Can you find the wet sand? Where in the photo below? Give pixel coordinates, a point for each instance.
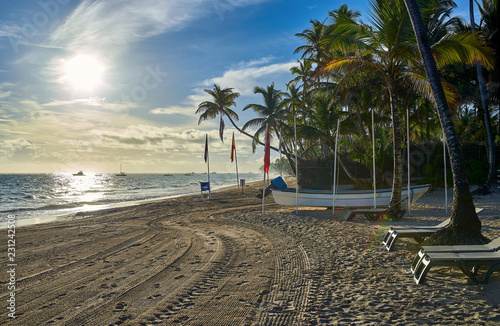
(188, 261)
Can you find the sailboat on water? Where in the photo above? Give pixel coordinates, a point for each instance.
(121, 174)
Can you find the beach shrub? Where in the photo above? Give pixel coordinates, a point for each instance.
(477, 171)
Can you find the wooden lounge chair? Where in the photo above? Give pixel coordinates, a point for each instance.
(468, 262)
(489, 247)
(416, 232)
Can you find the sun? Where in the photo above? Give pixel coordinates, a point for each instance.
(83, 72)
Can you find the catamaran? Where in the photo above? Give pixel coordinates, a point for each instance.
(343, 198)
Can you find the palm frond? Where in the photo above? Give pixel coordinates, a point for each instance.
(466, 47)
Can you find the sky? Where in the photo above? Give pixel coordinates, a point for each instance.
(89, 85)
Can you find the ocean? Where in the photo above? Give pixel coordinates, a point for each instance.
(28, 196)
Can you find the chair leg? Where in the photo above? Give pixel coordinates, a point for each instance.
(490, 272)
(417, 260)
(392, 240)
(387, 236)
(465, 269)
(422, 269)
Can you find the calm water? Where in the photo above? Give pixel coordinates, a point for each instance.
(34, 195)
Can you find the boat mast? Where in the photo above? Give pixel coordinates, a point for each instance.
(335, 167)
(445, 181)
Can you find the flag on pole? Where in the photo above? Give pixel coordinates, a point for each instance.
(267, 153)
(206, 148)
(235, 158)
(267, 162)
(208, 166)
(233, 149)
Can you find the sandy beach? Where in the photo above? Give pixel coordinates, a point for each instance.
(188, 261)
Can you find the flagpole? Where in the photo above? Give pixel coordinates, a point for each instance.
(335, 167)
(374, 172)
(279, 149)
(208, 168)
(408, 159)
(233, 148)
(296, 165)
(237, 176)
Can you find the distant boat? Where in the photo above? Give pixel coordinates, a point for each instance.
(168, 175)
(192, 173)
(121, 174)
(346, 198)
(79, 174)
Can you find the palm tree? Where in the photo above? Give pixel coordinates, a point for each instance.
(223, 100)
(464, 219)
(270, 114)
(388, 49)
(313, 37)
(485, 189)
(383, 50)
(291, 103)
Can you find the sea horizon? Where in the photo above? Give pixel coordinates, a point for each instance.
(37, 195)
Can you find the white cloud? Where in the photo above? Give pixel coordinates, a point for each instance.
(173, 110)
(245, 79)
(242, 79)
(92, 102)
(5, 94)
(16, 148)
(113, 24)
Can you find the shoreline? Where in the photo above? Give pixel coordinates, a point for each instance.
(81, 211)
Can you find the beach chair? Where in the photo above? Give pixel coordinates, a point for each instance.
(416, 232)
(489, 247)
(205, 186)
(468, 262)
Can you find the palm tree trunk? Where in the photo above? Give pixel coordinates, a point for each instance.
(247, 134)
(486, 114)
(397, 178)
(463, 214)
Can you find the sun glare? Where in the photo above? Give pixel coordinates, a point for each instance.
(83, 72)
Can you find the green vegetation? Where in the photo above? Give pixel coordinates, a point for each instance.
(421, 73)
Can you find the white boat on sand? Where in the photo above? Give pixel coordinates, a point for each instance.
(344, 198)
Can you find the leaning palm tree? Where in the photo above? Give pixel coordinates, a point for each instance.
(223, 100)
(465, 226)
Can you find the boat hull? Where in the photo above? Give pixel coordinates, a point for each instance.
(324, 198)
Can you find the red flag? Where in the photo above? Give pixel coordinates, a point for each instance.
(267, 153)
(233, 148)
(206, 148)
